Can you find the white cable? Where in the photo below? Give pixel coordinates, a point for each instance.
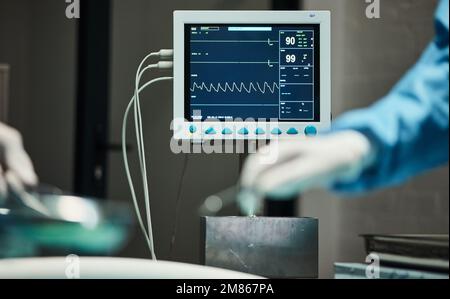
(138, 114)
(166, 53)
(137, 120)
(149, 236)
(140, 137)
(140, 147)
(140, 134)
(130, 181)
(163, 54)
(141, 153)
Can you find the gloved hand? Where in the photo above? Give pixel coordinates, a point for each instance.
(300, 165)
(15, 164)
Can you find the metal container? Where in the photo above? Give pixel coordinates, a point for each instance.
(265, 246)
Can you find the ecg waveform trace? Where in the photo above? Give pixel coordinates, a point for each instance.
(251, 72)
(237, 87)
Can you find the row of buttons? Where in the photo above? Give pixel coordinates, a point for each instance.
(309, 131)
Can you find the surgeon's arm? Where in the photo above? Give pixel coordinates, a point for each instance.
(409, 128)
(402, 135)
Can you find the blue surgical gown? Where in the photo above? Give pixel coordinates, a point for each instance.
(409, 127)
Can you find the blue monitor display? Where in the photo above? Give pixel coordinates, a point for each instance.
(252, 71)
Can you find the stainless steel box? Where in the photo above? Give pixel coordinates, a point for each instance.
(265, 246)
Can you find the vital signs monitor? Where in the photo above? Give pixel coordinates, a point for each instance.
(251, 74)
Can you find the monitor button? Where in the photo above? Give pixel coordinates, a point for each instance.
(210, 131)
(243, 131)
(192, 129)
(292, 131)
(310, 131)
(227, 131)
(260, 131)
(276, 131)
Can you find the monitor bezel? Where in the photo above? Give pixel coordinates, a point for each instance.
(181, 126)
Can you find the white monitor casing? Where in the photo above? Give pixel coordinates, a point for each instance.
(183, 128)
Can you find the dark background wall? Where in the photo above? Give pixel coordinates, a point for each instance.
(368, 57)
(39, 43)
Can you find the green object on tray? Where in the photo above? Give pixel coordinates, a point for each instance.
(64, 224)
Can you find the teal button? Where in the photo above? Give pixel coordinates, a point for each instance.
(310, 131)
(276, 131)
(243, 131)
(292, 131)
(227, 131)
(192, 129)
(210, 131)
(260, 131)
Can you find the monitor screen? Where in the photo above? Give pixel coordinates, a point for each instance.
(244, 71)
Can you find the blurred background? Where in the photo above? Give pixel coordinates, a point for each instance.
(70, 81)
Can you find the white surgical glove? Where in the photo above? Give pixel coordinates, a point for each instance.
(15, 164)
(299, 165)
